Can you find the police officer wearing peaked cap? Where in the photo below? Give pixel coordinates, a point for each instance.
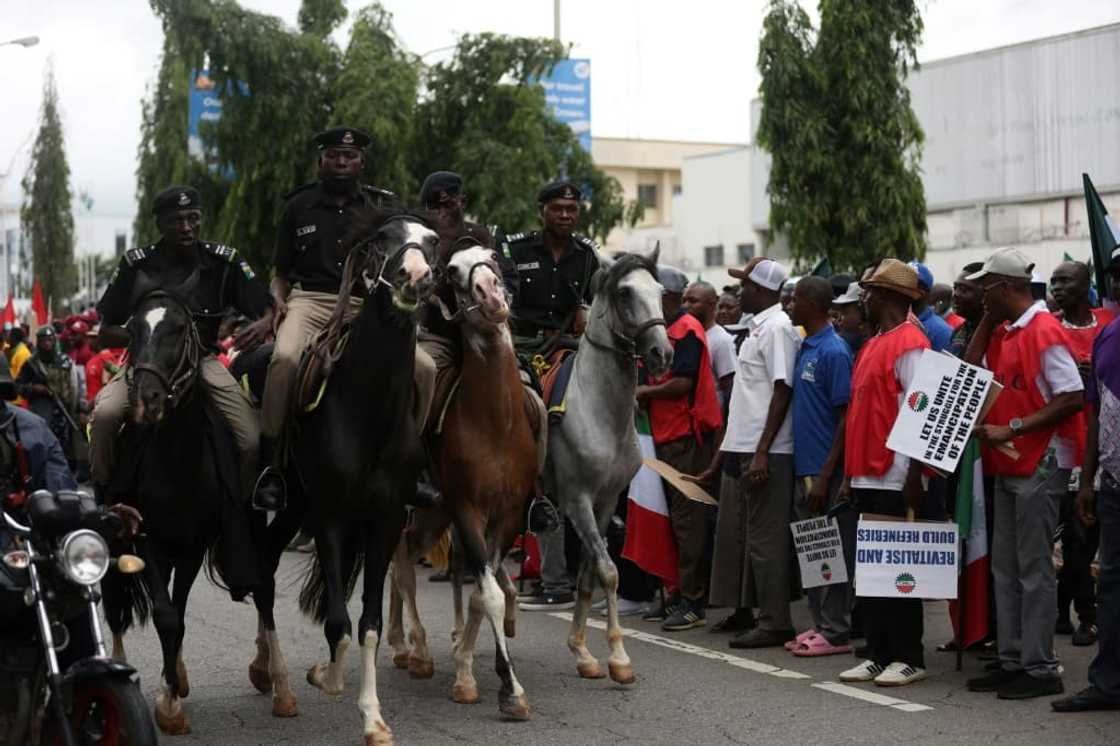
(554, 268)
(224, 280)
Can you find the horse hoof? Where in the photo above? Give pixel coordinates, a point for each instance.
(509, 627)
(465, 694)
(172, 723)
(381, 736)
(400, 660)
(621, 673)
(284, 707)
(184, 682)
(591, 670)
(420, 669)
(317, 677)
(260, 679)
(514, 708)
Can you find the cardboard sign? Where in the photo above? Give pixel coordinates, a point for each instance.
(819, 552)
(691, 490)
(944, 402)
(898, 559)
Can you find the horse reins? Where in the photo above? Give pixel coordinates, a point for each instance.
(627, 346)
(185, 372)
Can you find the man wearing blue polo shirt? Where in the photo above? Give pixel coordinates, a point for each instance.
(937, 329)
(822, 384)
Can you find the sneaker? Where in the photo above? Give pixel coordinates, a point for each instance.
(1028, 687)
(687, 615)
(626, 607)
(866, 671)
(900, 674)
(992, 681)
(659, 612)
(1085, 635)
(1086, 700)
(548, 602)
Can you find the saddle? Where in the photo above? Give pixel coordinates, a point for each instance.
(555, 373)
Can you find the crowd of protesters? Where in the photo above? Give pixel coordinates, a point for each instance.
(780, 401)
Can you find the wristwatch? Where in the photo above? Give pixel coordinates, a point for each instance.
(1016, 425)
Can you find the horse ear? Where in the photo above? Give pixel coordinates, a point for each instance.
(656, 253)
(599, 276)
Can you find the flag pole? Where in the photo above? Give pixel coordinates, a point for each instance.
(962, 588)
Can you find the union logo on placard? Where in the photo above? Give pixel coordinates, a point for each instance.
(826, 571)
(918, 401)
(905, 583)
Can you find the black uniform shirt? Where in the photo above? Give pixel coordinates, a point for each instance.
(225, 280)
(309, 247)
(548, 291)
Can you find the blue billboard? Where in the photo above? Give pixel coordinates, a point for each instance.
(205, 106)
(567, 92)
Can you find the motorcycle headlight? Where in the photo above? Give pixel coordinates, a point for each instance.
(84, 557)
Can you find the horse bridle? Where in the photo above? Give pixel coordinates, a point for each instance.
(387, 257)
(185, 372)
(623, 344)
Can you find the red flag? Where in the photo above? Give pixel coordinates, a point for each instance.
(9, 316)
(37, 304)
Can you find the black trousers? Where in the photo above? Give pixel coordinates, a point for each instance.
(893, 627)
(1079, 546)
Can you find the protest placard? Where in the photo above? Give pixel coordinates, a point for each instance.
(897, 559)
(691, 490)
(945, 400)
(819, 552)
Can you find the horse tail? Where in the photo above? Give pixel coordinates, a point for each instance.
(440, 554)
(127, 599)
(215, 569)
(313, 594)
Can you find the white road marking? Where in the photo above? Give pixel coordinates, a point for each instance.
(757, 666)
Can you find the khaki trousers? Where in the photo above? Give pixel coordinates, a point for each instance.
(227, 396)
(307, 314)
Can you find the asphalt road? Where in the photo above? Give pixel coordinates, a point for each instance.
(691, 688)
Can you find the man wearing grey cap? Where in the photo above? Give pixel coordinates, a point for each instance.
(1037, 412)
(759, 433)
(684, 414)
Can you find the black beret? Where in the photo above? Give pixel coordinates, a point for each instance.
(45, 331)
(176, 198)
(559, 190)
(343, 137)
(440, 187)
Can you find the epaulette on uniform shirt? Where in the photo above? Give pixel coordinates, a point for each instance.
(586, 242)
(230, 255)
(137, 255)
(379, 192)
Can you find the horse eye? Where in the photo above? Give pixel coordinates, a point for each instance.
(624, 292)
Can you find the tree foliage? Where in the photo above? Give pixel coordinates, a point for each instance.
(846, 146)
(45, 213)
(477, 114)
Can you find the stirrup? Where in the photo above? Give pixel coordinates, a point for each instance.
(543, 517)
(270, 492)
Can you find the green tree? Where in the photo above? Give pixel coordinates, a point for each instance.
(45, 213)
(836, 118)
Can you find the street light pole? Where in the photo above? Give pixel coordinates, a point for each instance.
(556, 20)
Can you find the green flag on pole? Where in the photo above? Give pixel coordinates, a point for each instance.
(1103, 233)
(823, 269)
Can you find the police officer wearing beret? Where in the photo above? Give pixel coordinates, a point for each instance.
(307, 266)
(224, 280)
(554, 268)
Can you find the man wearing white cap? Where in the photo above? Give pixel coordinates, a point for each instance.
(1037, 412)
(759, 433)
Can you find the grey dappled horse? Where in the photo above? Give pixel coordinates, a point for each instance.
(593, 451)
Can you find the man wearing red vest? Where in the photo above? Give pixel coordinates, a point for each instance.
(684, 414)
(1042, 390)
(878, 479)
(1069, 284)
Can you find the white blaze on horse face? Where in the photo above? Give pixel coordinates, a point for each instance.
(474, 266)
(414, 261)
(153, 317)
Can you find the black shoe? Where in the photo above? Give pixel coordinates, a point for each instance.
(993, 681)
(739, 621)
(688, 615)
(762, 638)
(1028, 687)
(1063, 626)
(1086, 700)
(543, 517)
(548, 602)
(270, 492)
(1085, 635)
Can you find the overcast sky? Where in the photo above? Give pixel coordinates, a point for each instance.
(660, 69)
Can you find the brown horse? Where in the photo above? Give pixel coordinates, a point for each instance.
(487, 463)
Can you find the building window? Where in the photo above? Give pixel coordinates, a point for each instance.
(647, 195)
(713, 256)
(121, 240)
(746, 252)
(676, 189)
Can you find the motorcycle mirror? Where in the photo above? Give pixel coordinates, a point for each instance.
(129, 564)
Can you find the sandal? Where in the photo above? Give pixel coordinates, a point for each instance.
(818, 645)
(796, 642)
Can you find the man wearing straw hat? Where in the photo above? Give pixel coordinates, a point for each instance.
(878, 479)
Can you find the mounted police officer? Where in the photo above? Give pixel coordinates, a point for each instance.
(308, 267)
(209, 278)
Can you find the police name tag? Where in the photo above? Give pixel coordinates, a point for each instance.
(305, 230)
(530, 265)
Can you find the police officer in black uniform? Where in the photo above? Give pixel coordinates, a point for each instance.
(224, 280)
(308, 267)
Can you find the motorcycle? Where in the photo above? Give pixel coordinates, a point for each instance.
(57, 683)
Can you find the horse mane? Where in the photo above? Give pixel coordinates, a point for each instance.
(366, 226)
(606, 279)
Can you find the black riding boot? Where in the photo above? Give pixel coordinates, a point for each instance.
(270, 492)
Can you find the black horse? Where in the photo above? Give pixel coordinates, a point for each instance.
(177, 469)
(357, 455)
